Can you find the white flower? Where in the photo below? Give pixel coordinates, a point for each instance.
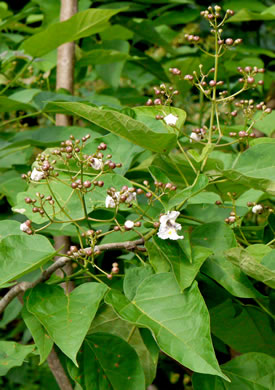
(168, 226)
(111, 202)
(195, 137)
(24, 227)
(257, 209)
(37, 175)
(129, 224)
(131, 196)
(170, 119)
(97, 164)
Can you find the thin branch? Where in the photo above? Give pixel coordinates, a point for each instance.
(61, 262)
(58, 371)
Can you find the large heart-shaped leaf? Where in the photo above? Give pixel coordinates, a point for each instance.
(126, 127)
(107, 361)
(83, 24)
(178, 320)
(246, 372)
(20, 254)
(66, 318)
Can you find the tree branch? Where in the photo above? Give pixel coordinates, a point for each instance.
(58, 371)
(61, 262)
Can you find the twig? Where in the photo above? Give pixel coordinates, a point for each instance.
(61, 262)
(58, 371)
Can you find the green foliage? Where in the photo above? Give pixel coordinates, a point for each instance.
(164, 184)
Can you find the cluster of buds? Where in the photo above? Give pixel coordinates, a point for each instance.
(197, 134)
(175, 71)
(44, 169)
(26, 227)
(42, 200)
(192, 38)
(160, 188)
(125, 195)
(85, 185)
(231, 219)
(213, 13)
(164, 95)
(229, 42)
(248, 75)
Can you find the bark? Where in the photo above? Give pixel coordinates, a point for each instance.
(65, 60)
(64, 79)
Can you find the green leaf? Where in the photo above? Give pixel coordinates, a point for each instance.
(107, 321)
(124, 126)
(219, 237)
(172, 253)
(111, 72)
(250, 266)
(10, 228)
(41, 338)
(183, 196)
(133, 277)
(21, 254)
(11, 184)
(102, 56)
(124, 154)
(10, 105)
(144, 113)
(266, 124)
(175, 17)
(10, 313)
(244, 328)
(145, 29)
(245, 15)
(12, 355)
(83, 24)
(246, 372)
(108, 361)
(170, 314)
(255, 168)
(66, 318)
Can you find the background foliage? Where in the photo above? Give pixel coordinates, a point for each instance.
(223, 273)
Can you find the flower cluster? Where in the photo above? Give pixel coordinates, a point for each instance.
(125, 195)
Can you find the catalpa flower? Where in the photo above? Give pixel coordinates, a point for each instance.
(37, 175)
(168, 226)
(112, 201)
(170, 119)
(257, 209)
(97, 164)
(195, 137)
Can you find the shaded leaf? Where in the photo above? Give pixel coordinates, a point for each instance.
(107, 361)
(12, 355)
(244, 328)
(249, 371)
(219, 237)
